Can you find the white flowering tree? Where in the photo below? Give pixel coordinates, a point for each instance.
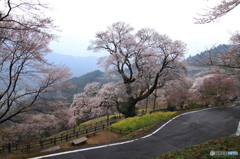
(145, 60)
(177, 91)
(25, 35)
(217, 89)
(89, 104)
(214, 13)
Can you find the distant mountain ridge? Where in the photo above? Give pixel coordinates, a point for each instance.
(192, 60)
(78, 65)
(215, 50)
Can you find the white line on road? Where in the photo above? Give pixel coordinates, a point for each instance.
(119, 143)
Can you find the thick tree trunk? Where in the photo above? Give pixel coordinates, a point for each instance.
(128, 108)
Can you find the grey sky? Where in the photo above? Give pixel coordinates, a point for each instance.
(79, 20)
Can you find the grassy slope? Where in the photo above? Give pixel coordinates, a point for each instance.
(203, 150)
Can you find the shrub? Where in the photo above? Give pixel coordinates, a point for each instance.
(193, 105)
(171, 107)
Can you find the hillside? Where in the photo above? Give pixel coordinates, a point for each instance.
(80, 82)
(219, 48)
(191, 60)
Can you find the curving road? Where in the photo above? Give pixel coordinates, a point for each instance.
(183, 130)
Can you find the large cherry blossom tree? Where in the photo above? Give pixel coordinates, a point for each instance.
(144, 60)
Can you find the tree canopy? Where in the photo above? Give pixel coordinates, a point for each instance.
(25, 33)
(214, 13)
(145, 60)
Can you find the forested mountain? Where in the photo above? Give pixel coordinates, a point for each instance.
(215, 50)
(193, 69)
(80, 82)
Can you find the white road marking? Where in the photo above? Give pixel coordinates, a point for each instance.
(119, 143)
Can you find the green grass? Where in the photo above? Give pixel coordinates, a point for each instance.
(137, 122)
(203, 150)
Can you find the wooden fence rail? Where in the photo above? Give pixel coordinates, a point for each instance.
(52, 141)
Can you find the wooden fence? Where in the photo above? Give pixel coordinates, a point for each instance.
(40, 144)
(35, 145)
(74, 133)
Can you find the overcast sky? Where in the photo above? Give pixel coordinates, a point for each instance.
(79, 20)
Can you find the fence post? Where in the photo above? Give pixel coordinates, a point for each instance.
(74, 129)
(77, 134)
(95, 128)
(86, 131)
(103, 126)
(41, 143)
(28, 147)
(16, 146)
(55, 141)
(9, 147)
(66, 137)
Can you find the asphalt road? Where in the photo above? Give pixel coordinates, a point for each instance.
(177, 133)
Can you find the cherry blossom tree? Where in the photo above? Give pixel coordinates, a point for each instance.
(87, 105)
(198, 80)
(177, 91)
(26, 15)
(25, 75)
(214, 13)
(145, 61)
(96, 101)
(37, 125)
(217, 89)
